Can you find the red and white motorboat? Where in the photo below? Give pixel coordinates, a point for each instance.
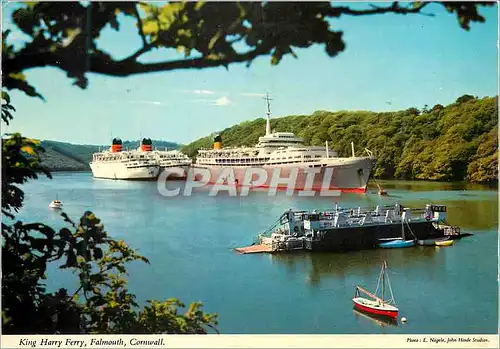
(376, 305)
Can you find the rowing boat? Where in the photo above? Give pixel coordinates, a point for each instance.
(444, 243)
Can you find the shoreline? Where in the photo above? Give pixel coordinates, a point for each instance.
(491, 185)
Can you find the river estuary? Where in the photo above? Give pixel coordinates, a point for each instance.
(189, 241)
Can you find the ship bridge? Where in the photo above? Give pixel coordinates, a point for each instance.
(279, 139)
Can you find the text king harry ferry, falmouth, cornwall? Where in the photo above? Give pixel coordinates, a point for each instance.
(317, 168)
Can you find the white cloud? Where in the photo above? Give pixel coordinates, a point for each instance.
(222, 102)
(147, 102)
(247, 94)
(134, 102)
(208, 101)
(200, 92)
(204, 92)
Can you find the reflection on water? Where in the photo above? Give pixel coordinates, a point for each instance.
(189, 242)
(365, 264)
(473, 215)
(429, 186)
(377, 320)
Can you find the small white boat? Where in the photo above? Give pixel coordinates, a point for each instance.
(57, 204)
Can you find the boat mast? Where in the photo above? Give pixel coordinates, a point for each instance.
(268, 114)
(392, 300)
(383, 280)
(402, 228)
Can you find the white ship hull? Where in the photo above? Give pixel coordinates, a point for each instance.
(121, 171)
(347, 175)
(174, 176)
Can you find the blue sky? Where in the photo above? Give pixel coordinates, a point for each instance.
(407, 61)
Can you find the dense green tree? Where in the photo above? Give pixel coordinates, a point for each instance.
(437, 107)
(413, 111)
(101, 303)
(484, 164)
(447, 143)
(464, 98)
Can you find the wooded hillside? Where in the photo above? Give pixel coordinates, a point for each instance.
(456, 142)
(63, 156)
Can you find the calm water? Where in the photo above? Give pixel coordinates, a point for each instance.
(189, 242)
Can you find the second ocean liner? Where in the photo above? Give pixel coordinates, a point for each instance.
(317, 168)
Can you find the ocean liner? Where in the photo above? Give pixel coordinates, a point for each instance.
(283, 150)
(173, 159)
(139, 164)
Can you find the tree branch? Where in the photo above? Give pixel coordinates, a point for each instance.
(125, 68)
(394, 8)
(138, 53)
(139, 25)
(102, 64)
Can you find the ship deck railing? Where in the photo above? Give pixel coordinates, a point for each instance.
(448, 229)
(278, 246)
(359, 210)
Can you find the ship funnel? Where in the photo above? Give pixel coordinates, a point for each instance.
(217, 142)
(116, 145)
(146, 144)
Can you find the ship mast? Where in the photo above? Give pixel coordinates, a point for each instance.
(268, 114)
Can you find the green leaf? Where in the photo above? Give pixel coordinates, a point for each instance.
(18, 81)
(6, 97)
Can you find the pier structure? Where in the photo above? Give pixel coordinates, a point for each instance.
(348, 229)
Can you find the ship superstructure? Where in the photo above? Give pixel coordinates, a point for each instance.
(172, 159)
(115, 163)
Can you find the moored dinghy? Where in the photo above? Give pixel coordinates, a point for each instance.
(399, 242)
(444, 243)
(431, 242)
(376, 305)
